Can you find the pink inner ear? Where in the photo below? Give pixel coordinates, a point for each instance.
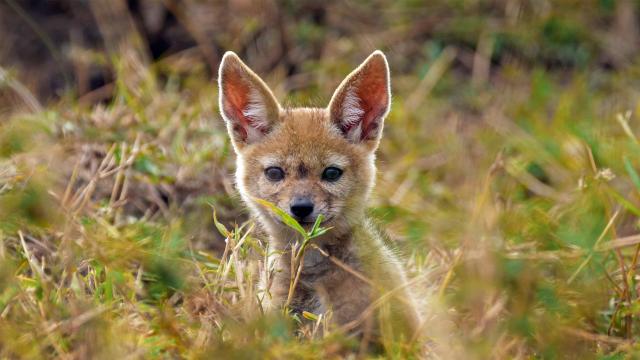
(236, 101)
(374, 99)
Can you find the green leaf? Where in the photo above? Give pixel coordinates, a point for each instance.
(316, 225)
(320, 231)
(635, 179)
(310, 316)
(286, 218)
(144, 164)
(221, 228)
(625, 203)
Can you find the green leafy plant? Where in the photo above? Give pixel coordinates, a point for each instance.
(298, 247)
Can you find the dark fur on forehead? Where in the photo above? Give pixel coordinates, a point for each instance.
(303, 171)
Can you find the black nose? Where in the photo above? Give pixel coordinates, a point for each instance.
(301, 208)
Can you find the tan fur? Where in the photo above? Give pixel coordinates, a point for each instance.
(303, 142)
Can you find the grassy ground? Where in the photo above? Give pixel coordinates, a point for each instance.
(508, 177)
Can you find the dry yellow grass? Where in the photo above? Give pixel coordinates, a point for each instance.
(508, 179)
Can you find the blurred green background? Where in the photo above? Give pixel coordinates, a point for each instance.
(508, 173)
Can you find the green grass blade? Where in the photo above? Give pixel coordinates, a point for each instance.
(286, 218)
(635, 179)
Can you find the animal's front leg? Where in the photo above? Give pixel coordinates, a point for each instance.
(348, 300)
(274, 290)
(274, 293)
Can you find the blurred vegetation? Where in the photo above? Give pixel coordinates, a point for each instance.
(509, 173)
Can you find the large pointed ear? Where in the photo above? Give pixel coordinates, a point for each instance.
(359, 105)
(246, 103)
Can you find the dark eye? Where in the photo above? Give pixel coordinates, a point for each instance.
(274, 173)
(331, 174)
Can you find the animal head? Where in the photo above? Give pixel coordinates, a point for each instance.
(307, 161)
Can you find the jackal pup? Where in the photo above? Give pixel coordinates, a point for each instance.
(320, 161)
